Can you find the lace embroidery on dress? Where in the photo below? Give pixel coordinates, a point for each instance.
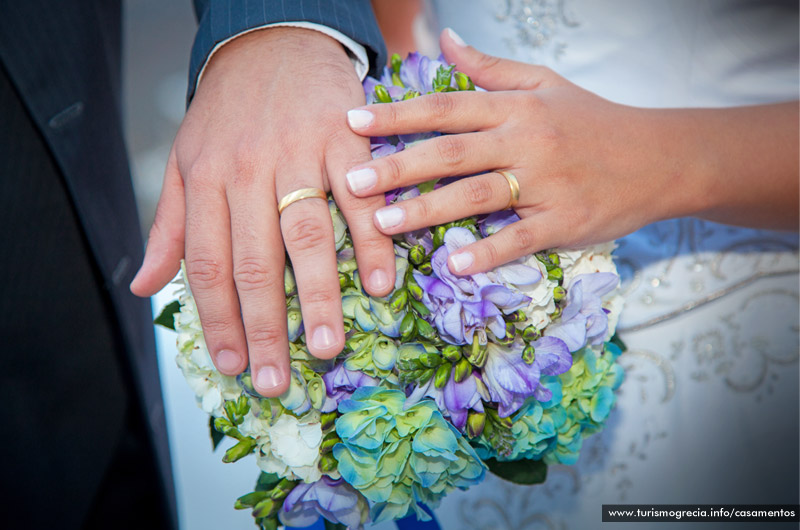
(537, 24)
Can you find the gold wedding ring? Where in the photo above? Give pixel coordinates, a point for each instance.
(513, 187)
(299, 195)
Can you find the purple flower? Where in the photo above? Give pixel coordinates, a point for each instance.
(511, 380)
(335, 500)
(584, 321)
(340, 383)
(454, 399)
(496, 221)
(463, 305)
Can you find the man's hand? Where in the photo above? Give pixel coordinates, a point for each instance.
(268, 118)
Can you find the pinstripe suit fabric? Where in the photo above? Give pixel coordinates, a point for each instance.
(220, 19)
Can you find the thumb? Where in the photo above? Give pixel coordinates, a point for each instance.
(490, 72)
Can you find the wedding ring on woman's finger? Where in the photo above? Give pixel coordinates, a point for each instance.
(299, 195)
(513, 187)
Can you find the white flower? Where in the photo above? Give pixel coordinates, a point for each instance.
(289, 448)
(596, 258)
(542, 304)
(614, 305)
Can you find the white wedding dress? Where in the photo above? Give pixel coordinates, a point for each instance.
(709, 409)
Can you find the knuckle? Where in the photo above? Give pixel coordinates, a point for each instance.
(491, 253)
(522, 237)
(200, 172)
(320, 297)
(390, 115)
(423, 210)
(215, 325)
(205, 272)
(250, 274)
(440, 105)
(488, 62)
(394, 168)
(244, 163)
(305, 234)
(477, 191)
(265, 337)
(451, 150)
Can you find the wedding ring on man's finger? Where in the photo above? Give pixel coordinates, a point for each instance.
(299, 195)
(513, 187)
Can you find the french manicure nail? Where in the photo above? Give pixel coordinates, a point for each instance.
(361, 179)
(359, 118)
(227, 361)
(378, 280)
(455, 37)
(461, 261)
(268, 378)
(323, 338)
(389, 217)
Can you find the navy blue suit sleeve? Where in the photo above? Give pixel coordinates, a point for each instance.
(222, 19)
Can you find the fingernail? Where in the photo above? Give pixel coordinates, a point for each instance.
(358, 118)
(361, 179)
(268, 378)
(389, 217)
(378, 280)
(323, 338)
(227, 361)
(461, 261)
(455, 38)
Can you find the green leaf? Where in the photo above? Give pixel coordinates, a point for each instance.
(333, 526)
(167, 316)
(520, 471)
(216, 436)
(618, 342)
(266, 481)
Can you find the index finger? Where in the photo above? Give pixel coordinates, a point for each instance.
(449, 112)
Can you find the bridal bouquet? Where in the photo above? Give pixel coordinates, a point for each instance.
(446, 378)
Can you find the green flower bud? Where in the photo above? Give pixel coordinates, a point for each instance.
(464, 82)
(382, 95)
(528, 354)
(451, 353)
(240, 450)
(517, 316)
(223, 425)
(463, 370)
(411, 94)
(399, 300)
(289, 284)
(430, 360)
(531, 334)
(328, 420)
(327, 444)
(282, 489)
(414, 290)
(230, 411)
(396, 81)
(476, 354)
(396, 62)
(327, 463)
(344, 281)
(269, 523)
(511, 330)
(426, 268)
(557, 313)
(249, 500)
(476, 421)
(425, 329)
(559, 293)
(554, 259)
(266, 508)
(407, 327)
(555, 274)
(438, 236)
(442, 375)
(420, 308)
(424, 375)
(417, 254)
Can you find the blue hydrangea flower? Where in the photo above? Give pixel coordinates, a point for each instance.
(399, 457)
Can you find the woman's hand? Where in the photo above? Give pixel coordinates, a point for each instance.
(589, 170)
